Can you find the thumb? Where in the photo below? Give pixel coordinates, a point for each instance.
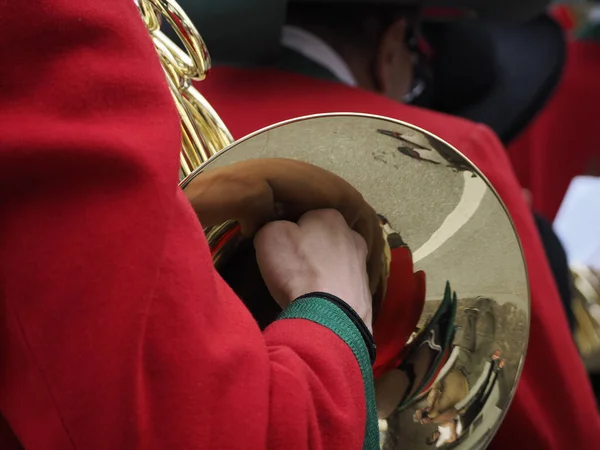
(272, 243)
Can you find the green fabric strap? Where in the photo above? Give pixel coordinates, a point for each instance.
(589, 32)
(329, 315)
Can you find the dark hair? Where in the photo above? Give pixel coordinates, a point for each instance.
(358, 24)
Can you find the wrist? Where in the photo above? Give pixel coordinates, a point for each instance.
(358, 321)
(362, 306)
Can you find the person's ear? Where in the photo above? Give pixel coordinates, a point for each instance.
(393, 63)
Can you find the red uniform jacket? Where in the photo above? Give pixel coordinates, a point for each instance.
(115, 331)
(554, 407)
(563, 141)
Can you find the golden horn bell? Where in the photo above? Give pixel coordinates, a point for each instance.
(468, 348)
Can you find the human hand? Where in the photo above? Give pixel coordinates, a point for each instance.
(422, 416)
(257, 191)
(418, 415)
(319, 253)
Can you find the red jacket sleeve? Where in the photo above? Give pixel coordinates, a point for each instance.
(115, 332)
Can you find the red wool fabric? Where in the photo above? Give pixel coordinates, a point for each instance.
(562, 142)
(554, 406)
(564, 15)
(115, 331)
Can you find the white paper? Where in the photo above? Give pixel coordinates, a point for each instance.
(577, 223)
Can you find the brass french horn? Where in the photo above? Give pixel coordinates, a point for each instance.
(466, 353)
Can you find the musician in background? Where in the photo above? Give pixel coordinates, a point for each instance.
(381, 47)
(369, 45)
(553, 363)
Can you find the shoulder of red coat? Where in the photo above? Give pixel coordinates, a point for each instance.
(252, 98)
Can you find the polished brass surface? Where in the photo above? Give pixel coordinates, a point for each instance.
(458, 231)
(467, 350)
(203, 132)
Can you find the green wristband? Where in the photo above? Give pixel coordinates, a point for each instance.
(329, 315)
